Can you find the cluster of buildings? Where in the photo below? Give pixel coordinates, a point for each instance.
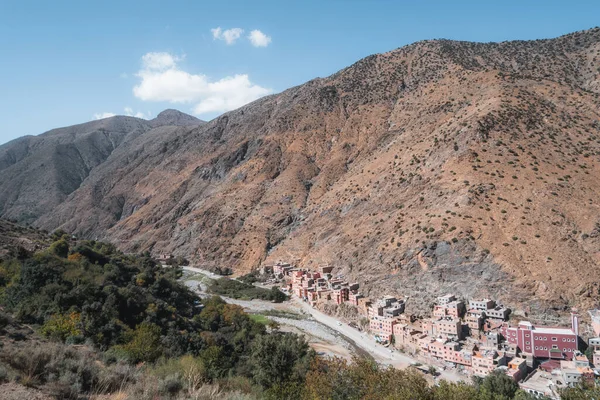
(474, 337)
(316, 286)
(551, 375)
(478, 339)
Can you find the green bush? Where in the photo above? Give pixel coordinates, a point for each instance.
(144, 343)
(276, 359)
(60, 248)
(240, 290)
(61, 326)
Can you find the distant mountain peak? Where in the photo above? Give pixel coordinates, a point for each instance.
(175, 117)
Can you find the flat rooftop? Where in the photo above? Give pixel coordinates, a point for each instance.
(539, 381)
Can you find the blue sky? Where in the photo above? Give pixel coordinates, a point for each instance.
(65, 62)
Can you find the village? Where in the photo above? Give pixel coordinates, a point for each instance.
(473, 337)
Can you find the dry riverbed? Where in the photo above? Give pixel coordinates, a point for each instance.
(288, 316)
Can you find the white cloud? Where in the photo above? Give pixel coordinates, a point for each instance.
(259, 39)
(229, 93)
(228, 35)
(128, 111)
(159, 61)
(208, 96)
(103, 115)
(140, 114)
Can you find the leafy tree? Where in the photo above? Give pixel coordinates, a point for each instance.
(62, 326)
(60, 248)
(498, 386)
(277, 295)
(454, 391)
(583, 391)
(144, 343)
(59, 234)
(363, 379)
(278, 358)
(216, 361)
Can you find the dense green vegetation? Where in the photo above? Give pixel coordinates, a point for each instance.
(88, 291)
(129, 309)
(245, 291)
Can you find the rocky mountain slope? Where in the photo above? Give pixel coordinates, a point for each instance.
(38, 172)
(440, 166)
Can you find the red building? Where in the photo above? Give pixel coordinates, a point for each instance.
(544, 342)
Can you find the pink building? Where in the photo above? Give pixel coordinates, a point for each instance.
(449, 326)
(486, 361)
(383, 326)
(354, 298)
(423, 342)
(452, 309)
(439, 311)
(453, 354)
(407, 335)
(436, 349)
(282, 269)
(474, 320)
(544, 342)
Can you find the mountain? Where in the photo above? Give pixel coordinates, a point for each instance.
(39, 172)
(175, 118)
(442, 166)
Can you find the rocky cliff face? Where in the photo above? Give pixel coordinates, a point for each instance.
(441, 166)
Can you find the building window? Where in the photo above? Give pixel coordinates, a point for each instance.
(536, 347)
(554, 346)
(564, 340)
(554, 339)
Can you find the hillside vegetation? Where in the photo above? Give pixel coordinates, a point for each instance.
(82, 320)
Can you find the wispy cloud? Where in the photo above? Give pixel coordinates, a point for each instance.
(128, 111)
(171, 84)
(159, 61)
(229, 35)
(259, 39)
(139, 114)
(103, 115)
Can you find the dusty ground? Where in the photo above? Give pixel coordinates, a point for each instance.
(13, 391)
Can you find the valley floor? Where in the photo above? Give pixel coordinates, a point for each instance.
(326, 334)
